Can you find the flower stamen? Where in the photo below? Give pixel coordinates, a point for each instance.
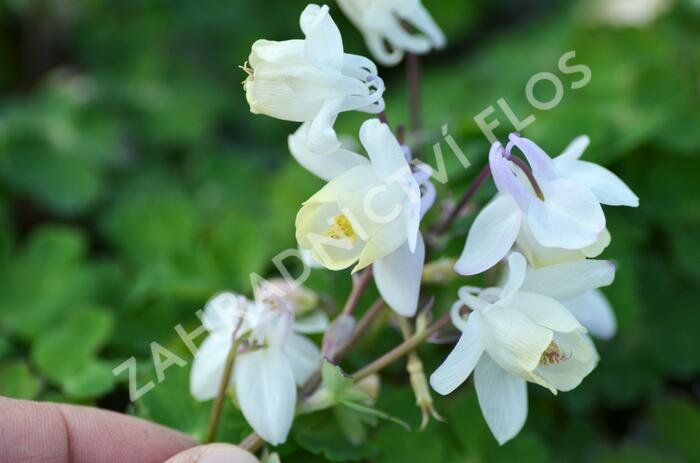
(249, 71)
(341, 228)
(553, 355)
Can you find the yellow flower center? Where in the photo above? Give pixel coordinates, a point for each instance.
(552, 355)
(341, 228)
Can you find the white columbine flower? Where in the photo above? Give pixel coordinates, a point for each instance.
(268, 367)
(386, 26)
(558, 207)
(510, 337)
(628, 12)
(370, 215)
(311, 80)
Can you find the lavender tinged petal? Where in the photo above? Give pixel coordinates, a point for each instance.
(541, 163)
(505, 179)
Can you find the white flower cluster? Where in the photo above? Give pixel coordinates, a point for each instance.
(546, 221)
(548, 216)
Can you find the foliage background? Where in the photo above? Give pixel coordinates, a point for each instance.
(134, 183)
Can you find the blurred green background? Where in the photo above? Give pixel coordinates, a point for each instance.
(134, 183)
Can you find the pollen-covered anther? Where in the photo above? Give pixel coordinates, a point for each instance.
(553, 355)
(341, 228)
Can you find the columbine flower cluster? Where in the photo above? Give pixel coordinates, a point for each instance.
(548, 216)
(546, 223)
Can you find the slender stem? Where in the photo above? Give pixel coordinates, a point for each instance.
(414, 97)
(360, 328)
(312, 383)
(443, 226)
(223, 385)
(405, 328)
(401, 350)
(382, 118)
(252, 442)
(357, 291)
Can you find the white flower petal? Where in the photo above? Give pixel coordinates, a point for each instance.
(468, 298)
(284, 52)
(607, 187)
(388, 159)
(223, 312)
(540, 256)
(459, 364)
(515, 342)
(324, 44)
(570, 217)
(320, 136)
(594, 312)
(266, 392)
(412, 214)
(303, 356)
(378, 47)
(355, 179)
(387, 239)
(419, 18)
(327, 164)
(580, 359)
(506, 177)
(597, 248)
(517, 268)
(574, 150)
(398, 278)
(568, 280)
(502, 398)
(541, 164)
(545, 311)
(208, 366)
(490, 237)
(317, 322)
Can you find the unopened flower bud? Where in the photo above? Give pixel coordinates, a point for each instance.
(419, 383)
(439, 271)
(371, 385)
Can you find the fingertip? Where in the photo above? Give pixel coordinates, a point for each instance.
(214, 453)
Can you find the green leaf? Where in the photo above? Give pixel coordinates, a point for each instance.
(320, 434)
(17, 381)
(686, 248)
(66, 355)
(46, 279)
(676, 425)
(635, 453)
(5, 347)
(152, 219)
(366, 410)
(92, 380)
(334, 380)
(351, 424)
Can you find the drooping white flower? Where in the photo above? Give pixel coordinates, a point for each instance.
(627, 12)
(559, 207)
(311, 80)
(383, 24)
(370, 215)
(513, 336)
(268, 367)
